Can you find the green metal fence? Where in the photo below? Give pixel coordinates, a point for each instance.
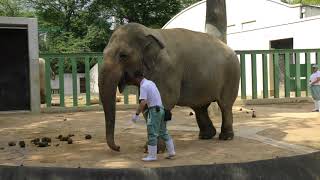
(295, 73)
(273, 64)
(73, 61)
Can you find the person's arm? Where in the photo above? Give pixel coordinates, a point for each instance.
(317, 80)
(141, 107)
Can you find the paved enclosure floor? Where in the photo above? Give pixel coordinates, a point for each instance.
(277, 131)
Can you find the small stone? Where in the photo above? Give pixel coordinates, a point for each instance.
(253, 114)
(43, 144)
(118, 99)
(12, 143)
(240, 109)
(35, 141)
(59, 137)
(247, 112)
(46, 139)
(57, 145)
(251, 109)
(191, 114)
(1, 148)
(70, 135)
(64, 138)
(22, 144)
(88, 136)
(70, 141)
(65, 119)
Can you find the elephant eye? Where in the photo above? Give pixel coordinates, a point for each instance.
(123, 56)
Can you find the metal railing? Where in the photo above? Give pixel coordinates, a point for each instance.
(295, 74)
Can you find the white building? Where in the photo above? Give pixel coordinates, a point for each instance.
(259, 25)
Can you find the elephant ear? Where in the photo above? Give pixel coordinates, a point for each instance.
(154, 44)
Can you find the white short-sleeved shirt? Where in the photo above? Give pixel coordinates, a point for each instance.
(314, 77)
(150, 93)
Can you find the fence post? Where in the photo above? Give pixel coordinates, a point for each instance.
(61, 81)
(318, 58)
(87, 78)
(100, 60)
(308, 66)
(287, 75)
(254, 75)
(48, 81)
(74, 82)
(265, 75)
(276, 77)
(298, 80)
(243, 76)
(125, 95)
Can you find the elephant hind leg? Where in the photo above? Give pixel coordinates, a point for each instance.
(227, 122)
(207, 130)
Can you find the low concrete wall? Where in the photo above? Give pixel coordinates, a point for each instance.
(297, 167)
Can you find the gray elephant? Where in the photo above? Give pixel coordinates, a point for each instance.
(42, 80)
(189, 68)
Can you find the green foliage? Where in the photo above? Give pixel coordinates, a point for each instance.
(67, 26)
(304, 2)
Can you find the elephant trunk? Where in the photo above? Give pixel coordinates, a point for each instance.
(108, 80)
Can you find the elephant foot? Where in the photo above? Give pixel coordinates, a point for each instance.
(226, 135)
(207, 134)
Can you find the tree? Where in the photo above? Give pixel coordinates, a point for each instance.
(14, 8)
(304, 2)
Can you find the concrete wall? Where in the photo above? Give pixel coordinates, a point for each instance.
(293, 168)
(32, 26)
(68, 90)
(252, 24)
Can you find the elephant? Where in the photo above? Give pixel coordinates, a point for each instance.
(190, 69)
(42, 80)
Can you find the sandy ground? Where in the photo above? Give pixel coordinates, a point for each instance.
(278, 130)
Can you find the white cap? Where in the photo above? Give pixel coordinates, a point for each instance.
(315, 66)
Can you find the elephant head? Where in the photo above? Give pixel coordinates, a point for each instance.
(132, 47)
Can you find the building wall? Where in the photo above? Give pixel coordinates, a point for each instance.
(312, 11)
(68, 90)
(252, 24)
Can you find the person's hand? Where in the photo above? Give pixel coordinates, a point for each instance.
(135, 118)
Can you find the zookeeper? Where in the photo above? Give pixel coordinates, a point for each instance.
(315, 87)
(156, 126)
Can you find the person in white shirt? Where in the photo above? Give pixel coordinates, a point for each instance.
(315, 87)
(156, 126)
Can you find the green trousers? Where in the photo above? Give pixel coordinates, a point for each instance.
(315, 92)
(156, 126)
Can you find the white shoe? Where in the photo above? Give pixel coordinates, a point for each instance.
(170, 148)
(152, 154)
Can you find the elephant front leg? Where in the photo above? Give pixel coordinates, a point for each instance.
(227, 123)
(207, 130)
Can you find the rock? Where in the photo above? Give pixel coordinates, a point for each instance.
(46, 139)
(247, 112)
(240, 109)
(43, 144)
(59, 137)
(191, 114)
(88, 136)
(22, 144)
(1, 148)
(11, 143)
(70, 141)
(254, 114)
(64, 138)
(118, 99)
(35, 141)
(65, 119)
(70, 135)
(57, 145)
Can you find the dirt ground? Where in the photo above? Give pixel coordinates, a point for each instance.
(277, 131)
